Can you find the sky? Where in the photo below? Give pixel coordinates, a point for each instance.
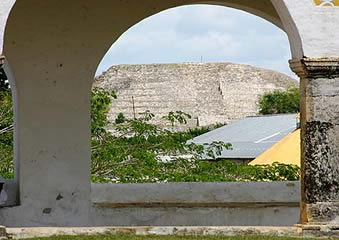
(202, 33)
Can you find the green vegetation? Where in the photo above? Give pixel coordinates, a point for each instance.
(280, 102)
(166, 237)
(6, 128)
(182, 170)
(130, 151)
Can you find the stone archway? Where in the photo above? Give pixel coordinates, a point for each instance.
(54, 48)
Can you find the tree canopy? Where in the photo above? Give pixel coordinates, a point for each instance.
(6, 126)
(280, 101)
(135, 150)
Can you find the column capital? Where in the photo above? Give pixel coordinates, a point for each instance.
(315, 67)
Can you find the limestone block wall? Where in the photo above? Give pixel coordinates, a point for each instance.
(210, 92)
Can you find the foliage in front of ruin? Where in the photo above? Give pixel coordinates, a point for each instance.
(129, 150)
(6, 129)
(280, 101)
(132, 149)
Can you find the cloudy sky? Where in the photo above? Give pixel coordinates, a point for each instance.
(202, 33)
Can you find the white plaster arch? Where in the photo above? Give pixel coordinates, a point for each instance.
(5, 9)
(275, 12)
(54, 48)
(264, 9)
(312, 29)
(290, 28)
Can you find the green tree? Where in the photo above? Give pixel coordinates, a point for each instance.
(130, 151)
(4, 85)
(6, 127)
(280, 102)
(120, 118)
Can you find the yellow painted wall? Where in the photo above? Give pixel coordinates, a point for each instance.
(319, 2)
(286, 151)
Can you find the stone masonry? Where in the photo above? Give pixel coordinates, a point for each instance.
(210, 92)
(320, 139)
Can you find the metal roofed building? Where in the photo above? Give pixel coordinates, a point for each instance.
(251, 136)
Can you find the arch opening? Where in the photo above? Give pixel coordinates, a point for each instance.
(8, 165)
(124, 79)
(274, 12)
(185, 39)
(131, 77)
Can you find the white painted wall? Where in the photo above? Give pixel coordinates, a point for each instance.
(5, 8)
(317, 26)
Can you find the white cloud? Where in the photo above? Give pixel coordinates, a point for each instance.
(218, 34)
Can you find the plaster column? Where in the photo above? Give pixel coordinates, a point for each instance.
(52, 129)
(53, 144)
(319, 86)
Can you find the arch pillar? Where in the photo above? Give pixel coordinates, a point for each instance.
(319, 86)
(53, 144)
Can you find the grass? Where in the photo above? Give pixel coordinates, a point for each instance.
(170, 237)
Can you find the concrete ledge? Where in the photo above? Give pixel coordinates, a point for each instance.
(323, 231)
(177, 204)
(176, 216)
(196, 204)
(228, 194)
(19, 233)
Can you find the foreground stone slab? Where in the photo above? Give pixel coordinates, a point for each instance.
(320, 231)
(3, 233)
(297, 231)
(19, 233)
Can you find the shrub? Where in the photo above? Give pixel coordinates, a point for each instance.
(6, 128)
(280, 102)
(130, 153)
(120, 118)
(184, 170)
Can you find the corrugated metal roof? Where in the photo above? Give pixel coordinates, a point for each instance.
(251, 136)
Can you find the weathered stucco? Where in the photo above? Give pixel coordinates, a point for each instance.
(317, 27)
(196, 204)
(320, 142)
(179, 204)
(20, 233)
